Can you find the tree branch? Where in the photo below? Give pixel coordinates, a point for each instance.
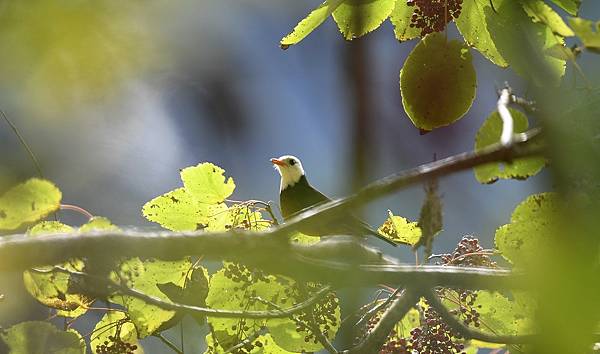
(183, 308)
(465, 331)
(377, 337)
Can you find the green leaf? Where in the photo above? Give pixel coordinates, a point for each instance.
(473, 25)
(98, 223)
(570, 6)
(263, 344)
(193, 292)
(522, 43)
(28, 202)
(355, 18)
(489, 134)
(111, 323)
(587, 31)
(561, 52)
(206, 183)
(225, 293)
(178, 210)
(52, 288)
(410, 321)
(501, 316)
(310, 23)
(38, 337)
(400, 18)
(531, 224)
(540, 12)
(399, 229)
(145, 276)
(437, 82)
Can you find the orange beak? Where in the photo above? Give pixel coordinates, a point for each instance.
(277, 162)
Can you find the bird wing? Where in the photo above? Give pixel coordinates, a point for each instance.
(302, 195)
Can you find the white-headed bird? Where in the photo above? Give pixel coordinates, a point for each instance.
(296, 194)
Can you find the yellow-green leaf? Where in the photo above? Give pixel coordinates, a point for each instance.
(28, 202)
(206, 183)
(400, 18)
(531, 224)
(473, 25)
(437, 82)
(587, 31)
(113, 322)
(570, 6)
(489, 134)
(356, 18)
(98, 223)
(540, 12)
(310, 23)
(399, 229)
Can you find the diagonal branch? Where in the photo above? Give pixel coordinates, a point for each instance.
(377, 337)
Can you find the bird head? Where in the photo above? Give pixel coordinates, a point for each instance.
(290, 169)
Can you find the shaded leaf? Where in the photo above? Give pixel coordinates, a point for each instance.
(437, 82)
(38, 337)
(522, 43)
(28, 202)
(489, 134)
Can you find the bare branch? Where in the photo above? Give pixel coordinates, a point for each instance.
(377, 337)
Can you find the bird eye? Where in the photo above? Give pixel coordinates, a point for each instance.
(292, 162)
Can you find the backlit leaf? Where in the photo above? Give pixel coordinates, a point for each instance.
(400, 18)
(28, 202)
(570, 6)
(111, 323)
(206, 183)
(473, 25)
(587, 31)
(399, 229)
(356, 18)
(310, 23)
(489, 134)
(540, 12)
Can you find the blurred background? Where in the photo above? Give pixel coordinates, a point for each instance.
(115, 97)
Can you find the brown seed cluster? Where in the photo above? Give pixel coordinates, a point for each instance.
(115, 345)
(433, 15)
(469, 253)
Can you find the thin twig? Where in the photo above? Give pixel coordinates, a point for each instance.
(34, 159)
(466, 332)
(263, 330)
(172, 306)
(367, 316)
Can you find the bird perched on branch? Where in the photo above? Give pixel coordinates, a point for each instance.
(296, 194)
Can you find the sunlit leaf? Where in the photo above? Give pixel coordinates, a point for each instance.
(489, 134)
(587, 31)
(356, 18)
(437, 82)
(399, 229)
(400, 18)
(98, 223)
(178, 210)
(145, 276)
(263, 344)
(531, 224)
(540, 12)
(473, 25)
(502, 316)
(52, 288)
(206, 183)
(28, 202)
(41, 338)
(193, 292)
(570, 6)
(111, 323)
(310, 23)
